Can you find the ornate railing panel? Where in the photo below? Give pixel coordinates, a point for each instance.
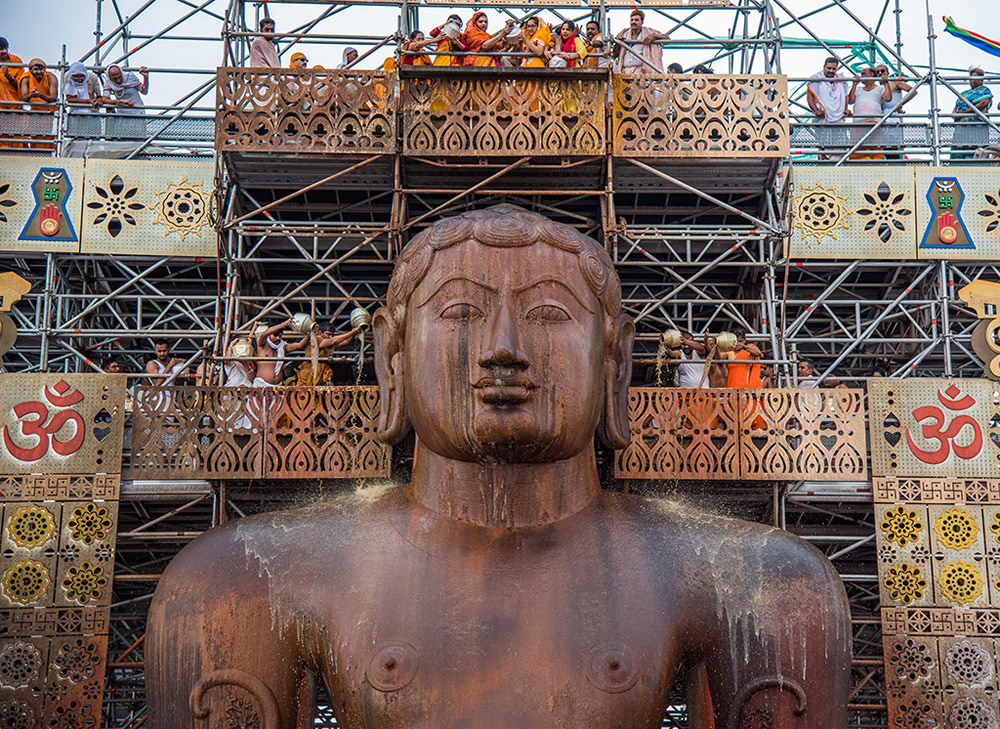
(312, 110)
(689, 434)
(480, 112)
(242, 433)
(700, 116)
(753, 435)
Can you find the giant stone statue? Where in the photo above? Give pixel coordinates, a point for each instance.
(502, 588)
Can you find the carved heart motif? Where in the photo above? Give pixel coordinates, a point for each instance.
(892, 438)
(102, 433)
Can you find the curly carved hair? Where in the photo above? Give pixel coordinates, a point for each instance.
(505, 226)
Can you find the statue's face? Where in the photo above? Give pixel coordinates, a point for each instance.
(504, 355)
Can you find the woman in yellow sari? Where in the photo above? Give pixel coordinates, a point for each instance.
(538, 41)
(447, 43)
(477, 39)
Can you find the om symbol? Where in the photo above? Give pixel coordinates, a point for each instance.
(46, 433)
(946, 438)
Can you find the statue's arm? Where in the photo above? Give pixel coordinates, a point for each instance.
(781, 649)
(210, 646)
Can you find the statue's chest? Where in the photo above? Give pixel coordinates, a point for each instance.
(450, 645)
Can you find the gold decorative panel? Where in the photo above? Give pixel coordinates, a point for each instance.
(240, 433)
(700, 116)
(925, 427)
(149, 208)
(852, 212)
(469, 114)
(895, 213)
(307, 111)
(55, 587)
(939, 578)
(40, 204)
(61, 423)
(958, 213)
(757, 435)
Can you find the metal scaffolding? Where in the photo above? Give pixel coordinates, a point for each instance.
(699, 245)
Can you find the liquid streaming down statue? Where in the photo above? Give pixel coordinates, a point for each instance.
(501, 588)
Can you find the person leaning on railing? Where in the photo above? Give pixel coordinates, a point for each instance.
(40, 88)
(648, 48)
(967, 137)
(449, 38)
(892, 131)
(10, 91)
(476, 38)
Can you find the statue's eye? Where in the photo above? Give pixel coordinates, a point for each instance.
(548, 312)
(461, 311)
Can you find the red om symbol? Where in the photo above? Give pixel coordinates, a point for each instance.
(45, 433)
(946, 437)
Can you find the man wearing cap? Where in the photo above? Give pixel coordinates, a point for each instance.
(648, 49)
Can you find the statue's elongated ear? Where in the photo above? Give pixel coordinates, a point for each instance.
(613, 428)
(393, 424)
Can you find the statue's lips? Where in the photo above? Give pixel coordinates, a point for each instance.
(504, 390)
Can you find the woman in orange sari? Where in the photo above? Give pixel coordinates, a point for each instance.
(411, 57)
(538, 41)
(477, 39)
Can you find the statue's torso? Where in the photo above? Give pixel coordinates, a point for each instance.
(424, 622)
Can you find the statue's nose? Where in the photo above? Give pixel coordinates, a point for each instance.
(503, 348)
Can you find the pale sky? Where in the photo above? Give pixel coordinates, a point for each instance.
(43, 27)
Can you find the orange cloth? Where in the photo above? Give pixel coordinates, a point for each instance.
(47, 85)
(543, 37)
(11, 91)
(441, 59)
(592, 60)
(474, 38)
(744, 375)
(415, 57)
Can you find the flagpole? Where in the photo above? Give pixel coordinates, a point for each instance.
(935, 111)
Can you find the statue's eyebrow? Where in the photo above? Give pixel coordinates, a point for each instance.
(557, 282)
(461, 279)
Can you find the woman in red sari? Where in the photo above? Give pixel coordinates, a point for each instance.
(476, 38)
(571, 47)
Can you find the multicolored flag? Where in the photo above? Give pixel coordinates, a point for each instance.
(979, 41)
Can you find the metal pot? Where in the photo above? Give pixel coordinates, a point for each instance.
(259, 330)
(451, 30)
(242, 348)
(361, 318)
(302, 323)
(671, 338)
(726, 341)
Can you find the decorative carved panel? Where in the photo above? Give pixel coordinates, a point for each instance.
(40, 204)
(943, 428)
(939, 576)
(477, 113)
(239, 433)
(311, 110)
(61, 423)
(745, 434)
(139, 207)
(700, 116)
(55, 588)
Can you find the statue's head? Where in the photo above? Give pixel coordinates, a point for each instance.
(503, 339)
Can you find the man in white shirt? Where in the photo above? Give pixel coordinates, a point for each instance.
(648, 49)
(690, 362)
(827, 97)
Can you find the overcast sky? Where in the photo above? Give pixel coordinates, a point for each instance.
(43, 27)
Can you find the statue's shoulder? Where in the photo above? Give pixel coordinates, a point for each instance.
(281, 542)
(707, 541)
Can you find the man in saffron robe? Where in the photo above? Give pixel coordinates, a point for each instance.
(37, 87)
(10, 91)
(597, 58)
